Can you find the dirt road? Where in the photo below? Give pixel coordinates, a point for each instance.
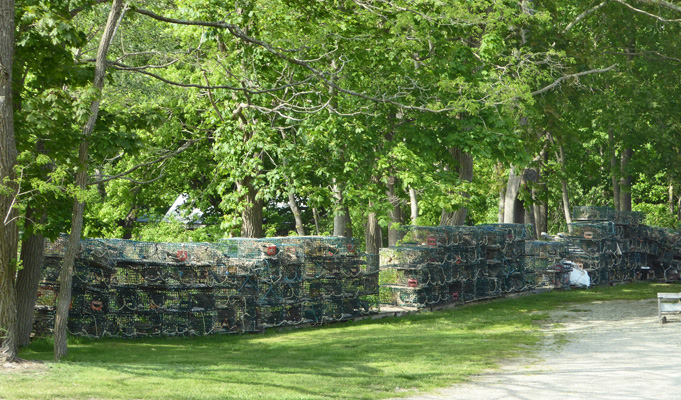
(613, 350)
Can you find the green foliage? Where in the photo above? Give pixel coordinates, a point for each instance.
(447, 74)
(658, 215)
(176, 232)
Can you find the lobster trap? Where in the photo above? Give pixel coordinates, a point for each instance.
(131, 289)
(452, 264)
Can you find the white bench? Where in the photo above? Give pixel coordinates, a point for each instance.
(668, 307)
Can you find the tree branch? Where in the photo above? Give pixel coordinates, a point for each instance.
(645, 53)
(661, 3)
(577, 75)
(583, 15)
(210, 97)
(82, 8)
(182, 148)
(124, 67)
(280, 53)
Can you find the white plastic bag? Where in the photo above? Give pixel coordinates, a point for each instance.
(579, 277)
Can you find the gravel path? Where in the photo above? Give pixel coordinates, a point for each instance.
(612, 350)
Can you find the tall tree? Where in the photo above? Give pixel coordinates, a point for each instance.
(8, 157)
(73, 244)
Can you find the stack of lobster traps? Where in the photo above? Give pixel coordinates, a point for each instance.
(131, 289)
(667, 265)
(614, 246)
(593, 246)
(505, 248)
(453, 264)
(546, 264)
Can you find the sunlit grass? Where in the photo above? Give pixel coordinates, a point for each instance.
(356, 360)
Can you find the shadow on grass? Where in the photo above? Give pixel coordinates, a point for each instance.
(367, 359)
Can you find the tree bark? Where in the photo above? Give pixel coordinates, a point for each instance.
(563, 185)
(73, 244)
(9, 235)
(316, 220)
(465, 171)
(348, 222)
(128, 222)
(671, 199)
(32, 250)
(513, 210)
(342, 225)
(300, 230)
(502, 192)
(396, 216)
(28, 278)
(72, 247)
(543, 224)
(538, 208)
(613, 171)
(540, 192)
(372, 234)
(413, 205)
(625, 183)
(529, 217)
(251, 216)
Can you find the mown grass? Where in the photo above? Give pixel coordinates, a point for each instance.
(356, 360)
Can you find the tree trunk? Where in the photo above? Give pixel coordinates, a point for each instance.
(538, 208)
(73, 244)
(465, 171)
(563, 185)
(678, 209)
(372, 237)
(396, 217)
(671, 199)
(513, 210)
(373, 234)
(543, 224)
(540, 193)
(613, 171)
(342, 225)
(316, 220)
(625, 183)
(32, 251)
(339, 220)
(300, 230)
(529, 218)
(502, 192)
(28, 279)
(502, 205)
(348, 222)
(9, 235)
(527, 209)
(129, 222)
(414, 205)
(251, 216)
(66, 273)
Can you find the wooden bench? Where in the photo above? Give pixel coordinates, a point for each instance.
(668, 307)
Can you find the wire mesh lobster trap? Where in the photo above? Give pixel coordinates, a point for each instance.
(615, 246)
(592, 230)
(593, 213)
(130, 289)
(546, 264)
(450, 264)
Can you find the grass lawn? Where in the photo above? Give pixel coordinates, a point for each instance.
(355, 360)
